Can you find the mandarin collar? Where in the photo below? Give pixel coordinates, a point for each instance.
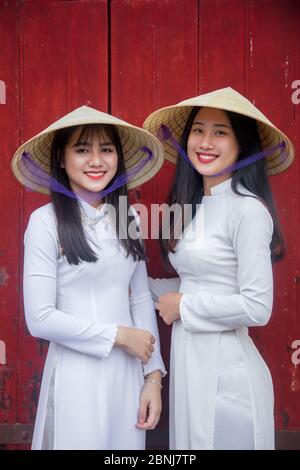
(221, 187)
(94, 213)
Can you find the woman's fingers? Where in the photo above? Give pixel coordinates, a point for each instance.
(142, 412)
(152, 420)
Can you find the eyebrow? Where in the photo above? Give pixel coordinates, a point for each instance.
(82, 143)
(215, 125)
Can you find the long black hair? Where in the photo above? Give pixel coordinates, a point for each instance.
(69, 224)
(187, 187)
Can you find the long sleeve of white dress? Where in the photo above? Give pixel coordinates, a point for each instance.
(163, 286)
(250, 230)
(44, 320)
(143, 314)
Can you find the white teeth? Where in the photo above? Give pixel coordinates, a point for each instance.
(94, 173)
(207, 157)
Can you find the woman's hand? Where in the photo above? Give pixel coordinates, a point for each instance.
(136, 342)
(150, 403)
(168, 306)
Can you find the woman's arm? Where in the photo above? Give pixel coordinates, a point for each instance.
(143, 314)
(251, 232)
(159, 287)
(44, 320)
(251, 235)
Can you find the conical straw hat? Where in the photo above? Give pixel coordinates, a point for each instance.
(227, 99)
(133, 139)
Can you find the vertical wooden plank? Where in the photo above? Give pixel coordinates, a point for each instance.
(154, 55)
(221, 45)
(44, 98)
(291, 400)
(9, 211)
(154, 63)
(63, 65)
(160, 69)
(270, 59)
(87, 36)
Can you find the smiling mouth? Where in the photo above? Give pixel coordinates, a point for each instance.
(95, 175)
(206, 157)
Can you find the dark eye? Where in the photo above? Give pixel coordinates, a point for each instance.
(197, 130)
(221, 133)
(107, 149)
(81, 150)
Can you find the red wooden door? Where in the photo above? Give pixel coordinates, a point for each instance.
(55, 70)
(131, 57)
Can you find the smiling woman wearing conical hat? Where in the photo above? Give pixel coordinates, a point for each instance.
(227, 99)
(221, 392)
(77, 275)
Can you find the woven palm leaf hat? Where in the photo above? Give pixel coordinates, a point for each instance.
(133, 139)
(227, 99)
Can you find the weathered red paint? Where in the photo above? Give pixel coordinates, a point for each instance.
(131, 57)
(269, 77)
(67, 73)
(9, 213)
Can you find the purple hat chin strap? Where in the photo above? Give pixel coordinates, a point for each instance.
(125, 178)
(42, 178)
(164, 134)
(254, 158)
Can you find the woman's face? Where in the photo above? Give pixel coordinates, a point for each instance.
(212, 145)
(90, 164)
